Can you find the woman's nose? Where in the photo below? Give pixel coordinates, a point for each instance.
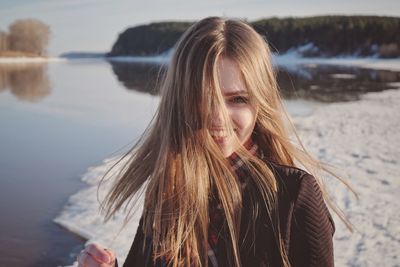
(217, 118)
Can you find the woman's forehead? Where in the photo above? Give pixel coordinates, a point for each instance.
(230, 77)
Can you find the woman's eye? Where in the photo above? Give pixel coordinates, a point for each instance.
(239, 99)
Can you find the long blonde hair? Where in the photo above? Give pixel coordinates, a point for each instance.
(178, 163)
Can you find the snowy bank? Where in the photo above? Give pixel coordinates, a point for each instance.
(360, 138)
(82, 216)
(293, 59)
(288, 60)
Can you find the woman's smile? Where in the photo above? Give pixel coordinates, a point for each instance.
(219, 133)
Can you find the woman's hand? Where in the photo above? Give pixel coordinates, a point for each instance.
(95, 255)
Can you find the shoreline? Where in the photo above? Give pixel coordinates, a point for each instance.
(285, 60)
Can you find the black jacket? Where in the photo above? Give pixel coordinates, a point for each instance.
(305, 223)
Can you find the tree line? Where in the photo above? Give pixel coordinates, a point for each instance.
(334, 35)
(25, 37)
(325, 36)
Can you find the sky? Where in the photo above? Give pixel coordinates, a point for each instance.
(94, 25)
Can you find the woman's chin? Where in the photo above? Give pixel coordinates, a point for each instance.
(227, 152)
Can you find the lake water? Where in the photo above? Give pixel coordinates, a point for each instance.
(60, 118)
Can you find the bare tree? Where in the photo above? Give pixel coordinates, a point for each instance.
(29, 35)
(3, 41)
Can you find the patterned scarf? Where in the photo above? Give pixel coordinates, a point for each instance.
(216, 211)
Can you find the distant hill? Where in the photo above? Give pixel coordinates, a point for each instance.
(320, 36)
(152, 39)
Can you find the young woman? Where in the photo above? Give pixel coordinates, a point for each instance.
(219, 167)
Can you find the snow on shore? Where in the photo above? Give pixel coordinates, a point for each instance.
(360, 138)
(289, 60)
(293, 57)
(82, 216)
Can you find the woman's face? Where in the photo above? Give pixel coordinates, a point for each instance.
(241, 113)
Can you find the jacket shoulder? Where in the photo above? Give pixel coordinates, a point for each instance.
(306, 223)
(289, 179)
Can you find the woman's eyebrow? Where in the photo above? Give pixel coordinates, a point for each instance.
(232, 93)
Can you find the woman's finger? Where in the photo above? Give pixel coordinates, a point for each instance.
(111, 255)
(80, 259)
(86, 260)
(98, 253)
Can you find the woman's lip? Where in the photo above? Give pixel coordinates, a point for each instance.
(219, 134)
(219, 139)
(220, 129)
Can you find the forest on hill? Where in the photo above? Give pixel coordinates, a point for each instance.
(319, 36)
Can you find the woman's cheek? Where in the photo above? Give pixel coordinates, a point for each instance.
(244, 120)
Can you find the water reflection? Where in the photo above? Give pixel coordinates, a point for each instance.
(141, 77)
(29, 82)
(333, 83)
(324, 83)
